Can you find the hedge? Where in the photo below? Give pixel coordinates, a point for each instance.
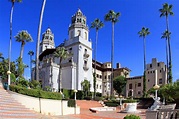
(36, 92)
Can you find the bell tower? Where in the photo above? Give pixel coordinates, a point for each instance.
(78, 26)
(47, 40)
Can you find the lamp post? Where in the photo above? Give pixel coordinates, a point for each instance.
(120, 98)
(9, 79)
(156, 87)
(75, 91)
(132, 93)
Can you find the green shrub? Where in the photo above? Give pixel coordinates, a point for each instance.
(88, 98)
(111, 103)
(71, 103)
(129, 101)
(132, 116)
(98, 94)
(36, 92)
(98, 98)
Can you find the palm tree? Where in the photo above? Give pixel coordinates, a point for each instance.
(97, 24)
(62, 54)
(23, 37)
(10, 41)
(38, 42)
(166, 35)
(143, 33)
(165, 12)
(112, 17)
(30, 53)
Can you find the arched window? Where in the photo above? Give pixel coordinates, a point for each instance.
(85, 36)
(79, 33)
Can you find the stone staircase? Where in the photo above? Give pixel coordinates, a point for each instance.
(11, 109)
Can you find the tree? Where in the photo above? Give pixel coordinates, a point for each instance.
(23, 37)
(4, 68)
(119, 83)
(143, 33)
(30, 53)
(166, 35)
(62, 54)
(112, 17)
(85, 86)
(10, 41)
(165, 12)
(38, 41)
(97, 24)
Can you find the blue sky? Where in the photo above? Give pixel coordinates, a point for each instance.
(128, 46)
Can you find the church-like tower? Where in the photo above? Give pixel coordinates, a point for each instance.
(47, 41)
(79, 45)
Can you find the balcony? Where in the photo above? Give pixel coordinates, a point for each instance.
(85, 67)
(86, 55)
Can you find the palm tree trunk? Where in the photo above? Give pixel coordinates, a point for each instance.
(167, 59)
(22, 49)
(60, 77)
(38, 41)
(169, 54)
(170, 62)
(144, 80)
(95, 52)
(112, 58)
(30, 67)
(10, 43)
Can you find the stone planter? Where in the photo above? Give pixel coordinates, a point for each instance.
(130, 107)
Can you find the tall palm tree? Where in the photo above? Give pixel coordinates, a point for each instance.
(38, 41)
(97, 24)
(23, 37)
(143, 33)
(166, 35)
(62, 54)
(165, 12)
(112, 17)
(30, 53)
(10, 41)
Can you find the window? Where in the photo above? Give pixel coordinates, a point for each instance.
(104, 77)
(130, 86)
(97, 86)
(100, 76)
(148, 80)
(100, 86)
(150, 65)
(97, 75)
(79, 33)
(85, 62)
(138, 92)
(139, 84)
(51, 38)
(153, 71)
(160, 81)
(109, 77)
(85, 36)
(158, 64)
(160, 71)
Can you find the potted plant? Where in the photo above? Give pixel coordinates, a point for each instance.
(130, 105)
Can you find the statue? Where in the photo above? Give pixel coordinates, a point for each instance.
(156, 104)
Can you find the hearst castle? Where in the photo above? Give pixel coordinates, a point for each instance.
(80, 66)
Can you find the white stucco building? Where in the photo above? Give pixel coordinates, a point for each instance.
(77, 67)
